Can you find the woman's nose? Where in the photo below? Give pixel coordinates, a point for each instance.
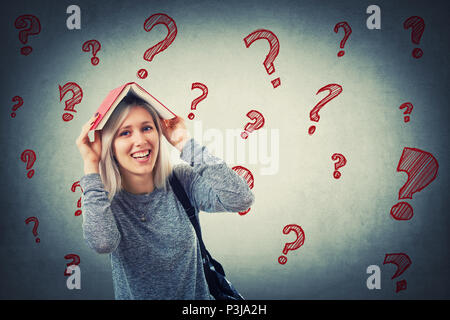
(139, 139)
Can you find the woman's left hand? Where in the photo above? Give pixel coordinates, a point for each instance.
(175, 132)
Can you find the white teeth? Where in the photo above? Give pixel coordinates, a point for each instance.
(141, 154)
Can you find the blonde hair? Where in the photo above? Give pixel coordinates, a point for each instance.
(109, 170)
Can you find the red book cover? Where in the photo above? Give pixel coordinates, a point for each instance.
(116, 95)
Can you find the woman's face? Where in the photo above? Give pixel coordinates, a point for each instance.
(136, 144)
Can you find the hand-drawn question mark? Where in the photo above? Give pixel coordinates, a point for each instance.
(36, 224)
(73, 188)
(334, 90)
(248, 177)
(95, 46)
(292, 245)
(273, 52)
(33, 29)
(409, 107)
(201, 86)
(418, 27)
(29, 157)
(70, 103)
(422, 168)
(402, 261)
(153, 20)
(19, 103)
(258, 122)
(75, 261)
(342, 162)
(348, 32)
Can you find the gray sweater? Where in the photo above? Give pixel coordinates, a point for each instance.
(153, 246)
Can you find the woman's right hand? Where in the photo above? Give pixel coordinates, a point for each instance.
(90, 151)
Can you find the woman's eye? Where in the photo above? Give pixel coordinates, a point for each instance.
(124, 133)
(147, 128)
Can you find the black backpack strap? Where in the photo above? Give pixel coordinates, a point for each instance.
(190, 210)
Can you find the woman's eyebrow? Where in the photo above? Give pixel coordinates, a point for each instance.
(129, 126)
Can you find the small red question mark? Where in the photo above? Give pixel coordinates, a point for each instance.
(201, 86)
(348, 32)
(342, 161)
(273, 52)
(409, 107)
(95, 46)
(73, 188)
(422, 168)
(70, 103)
(75, 261)
(153, 20)
(33, 29)
(334, 90)
(248, 177)
(29, 157)
(17, 105)
(36, 224)
(258, 123)
(402, 261)
(292, 245)
(418, 27)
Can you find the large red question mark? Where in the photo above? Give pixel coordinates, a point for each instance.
(409, 107)
(299, 241)
(77, 96)
(418, 27)
(342, 162)
(258, 122)
(348, 32)
(422, 168)
(201, 86)
(95, 46)
(73, 188)
(153, 20)
(19, 103)
(334, 90)
(29, 157)
(33, 29)
(402, 261)
(273, 52)
(36, 224)
(75, 261)
(248, 177)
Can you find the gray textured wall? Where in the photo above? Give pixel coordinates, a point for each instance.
(346, 221)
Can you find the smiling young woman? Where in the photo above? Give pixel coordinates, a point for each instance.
(131, 212)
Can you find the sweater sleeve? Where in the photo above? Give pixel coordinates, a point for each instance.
(211, 185)
(99, 226)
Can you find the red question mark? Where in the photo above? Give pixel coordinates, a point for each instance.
(153, 20)
(422, 168)
(33, 29)
(70, 103)
(201, 86)
(418, 26)
(348, 32)
(36, 224)
(402, 261)
(17, 105)
(29, 157)
(273, 52)
(334, 90)
(292, 245)
(258, 119)
(342, 161)
(95, 46)
(409, 107)
(75, 261)
(73, 188)
(248, 177)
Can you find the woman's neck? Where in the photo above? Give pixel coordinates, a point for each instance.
(138, 184)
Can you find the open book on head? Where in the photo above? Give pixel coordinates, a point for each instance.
(115, 96)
